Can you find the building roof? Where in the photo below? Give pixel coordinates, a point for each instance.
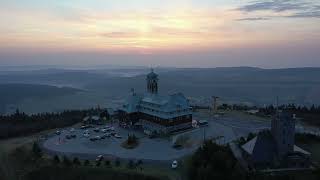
(298, 149)
(249, 146)
(132, 103)
(262, 148)
(158, 105)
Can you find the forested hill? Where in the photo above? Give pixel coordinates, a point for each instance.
(107, 87)
(239, 84)
(14, 93)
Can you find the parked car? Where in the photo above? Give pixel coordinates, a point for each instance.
(68, 137)
(86, 131)
(84, 127)
(58, 132)
(117, 136)
(107, 135)
(73, 136)
(72, 130)
(93, 139)
(113, 133)
(86, 135)
(99, 158)
(174, 164)
(203, 123)
(98, 137)
(96, 130)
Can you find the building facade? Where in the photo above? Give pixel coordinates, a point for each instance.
(158, 113)
(283, 132)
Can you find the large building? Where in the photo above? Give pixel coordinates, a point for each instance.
(158, 113)
(276, 148)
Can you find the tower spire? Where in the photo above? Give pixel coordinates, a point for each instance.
(152, 82)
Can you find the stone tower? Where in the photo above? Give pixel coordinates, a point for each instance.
(152, 82)
(283, 132)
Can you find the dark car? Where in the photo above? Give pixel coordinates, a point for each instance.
(93, 139)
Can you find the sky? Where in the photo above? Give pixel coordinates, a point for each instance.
(180, 33)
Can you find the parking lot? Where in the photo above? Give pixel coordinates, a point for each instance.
(224, 129)
(84, 147)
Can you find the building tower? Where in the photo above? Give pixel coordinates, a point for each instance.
(152, 82)
(215, 104)
(283, 131)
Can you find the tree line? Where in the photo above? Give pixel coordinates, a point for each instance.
(21, 124)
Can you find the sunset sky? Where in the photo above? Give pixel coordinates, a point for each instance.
(184, 33)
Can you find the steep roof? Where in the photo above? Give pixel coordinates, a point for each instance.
(261, 148)
(300, 150)
(249, 146)
(132, 103)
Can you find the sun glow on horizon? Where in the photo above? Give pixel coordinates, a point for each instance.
(146, 31)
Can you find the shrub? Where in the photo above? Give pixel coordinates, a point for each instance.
(212, 161)
(107, 163)
(117, 162)
(130, 164)
(76, 161)
(66, 161)
(56, 159)
(86, 163)
(140, 162)
(132, 139)
(98, 163)
(36, 150)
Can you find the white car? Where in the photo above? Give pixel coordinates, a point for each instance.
(99, 158)
(104, 130)
(86, 135)
(117, 136)
(174, 164)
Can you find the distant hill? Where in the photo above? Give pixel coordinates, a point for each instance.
(14, 93)
(239, 84)
(109, 86)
